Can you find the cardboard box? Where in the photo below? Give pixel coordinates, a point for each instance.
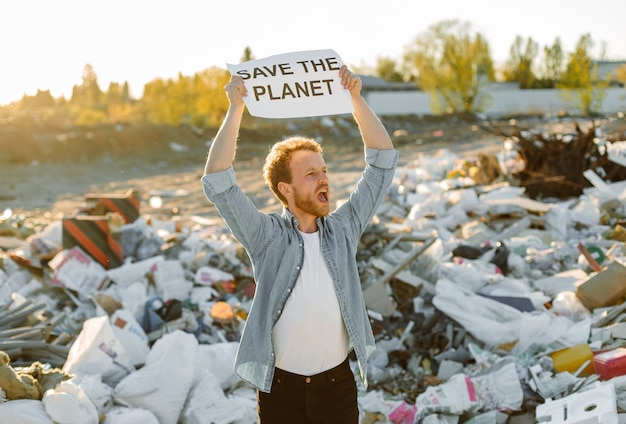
(126, 204)
(98, 236)
(606, 288)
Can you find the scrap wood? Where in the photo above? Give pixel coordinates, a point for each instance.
(7, 243)
(28, 264)
(417, 250)
(554, 163)
(608, 316)
(525, 203)
(590, 259)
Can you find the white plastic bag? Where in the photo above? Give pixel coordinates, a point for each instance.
(99, 393)
(132, 336)
(219, 358)
(24, 411)
(488, 320)
(163, 383)
(67, 403)
(228, 411)
(97, 350)
(124, 415)
(204, 395)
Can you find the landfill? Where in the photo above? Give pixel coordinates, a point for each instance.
(487, 307)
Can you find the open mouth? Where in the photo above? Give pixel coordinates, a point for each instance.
(322, 196)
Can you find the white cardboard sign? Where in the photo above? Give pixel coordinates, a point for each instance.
(294, 85)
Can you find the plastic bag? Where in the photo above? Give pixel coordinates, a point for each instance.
(219, 359)
(67, 403)
(131, 335)
(24, 411)
(488, 320)
(99, 393)
(208, 403)
(123, 415)
(97, 350)
(162, 384)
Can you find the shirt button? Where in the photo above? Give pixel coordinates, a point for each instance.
(278, 311)
(298, 267)
(308, 380)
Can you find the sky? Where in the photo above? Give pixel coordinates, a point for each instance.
(46, 44)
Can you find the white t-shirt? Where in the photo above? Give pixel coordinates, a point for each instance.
(310, 336)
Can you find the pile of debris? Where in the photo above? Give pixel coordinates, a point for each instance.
(554, 162)
(487, 306)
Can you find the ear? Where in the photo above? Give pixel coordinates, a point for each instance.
(284, 188)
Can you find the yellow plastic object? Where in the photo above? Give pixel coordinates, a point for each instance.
(572, 358)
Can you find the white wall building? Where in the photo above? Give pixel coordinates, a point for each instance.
(503, 99)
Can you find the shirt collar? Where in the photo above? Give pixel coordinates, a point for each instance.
(291, 218)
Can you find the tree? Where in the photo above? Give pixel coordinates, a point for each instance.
(621, 74)
(452, 65)
(169, 101)
(88, 94)
(118, 102)
(580, 83)
(86, 104)
(247, 54)
(553, 64)
(41, 100)
(386, 68)
(519, 66)
(211, 103)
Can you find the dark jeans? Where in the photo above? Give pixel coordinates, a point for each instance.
(326, 398)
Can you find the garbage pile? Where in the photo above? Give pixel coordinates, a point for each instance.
(555, 162)
(487, 307)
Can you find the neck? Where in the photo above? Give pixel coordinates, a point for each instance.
(307, 223)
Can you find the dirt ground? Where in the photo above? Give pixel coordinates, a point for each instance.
(170, 172)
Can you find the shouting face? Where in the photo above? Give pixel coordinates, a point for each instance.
(308, 193)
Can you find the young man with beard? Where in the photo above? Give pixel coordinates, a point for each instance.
(308, 311)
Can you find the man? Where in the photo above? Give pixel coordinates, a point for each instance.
(308, 311)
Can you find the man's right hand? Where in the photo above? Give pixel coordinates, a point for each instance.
(236, 90)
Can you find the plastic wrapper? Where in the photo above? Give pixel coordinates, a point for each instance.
(496, 388)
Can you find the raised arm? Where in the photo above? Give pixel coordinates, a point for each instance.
(373, 131)
(222, 151)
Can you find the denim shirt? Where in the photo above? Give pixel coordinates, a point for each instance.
(276, 250)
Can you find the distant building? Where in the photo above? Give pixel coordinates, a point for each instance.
(372, 83)
(608, 68)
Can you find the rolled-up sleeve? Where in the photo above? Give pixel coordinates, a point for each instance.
(383, 159)
(218, 182)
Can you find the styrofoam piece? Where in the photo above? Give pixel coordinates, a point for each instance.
(597, 405)
(128, 274)
(598, 182)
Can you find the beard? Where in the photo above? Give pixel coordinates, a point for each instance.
(310, 204)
